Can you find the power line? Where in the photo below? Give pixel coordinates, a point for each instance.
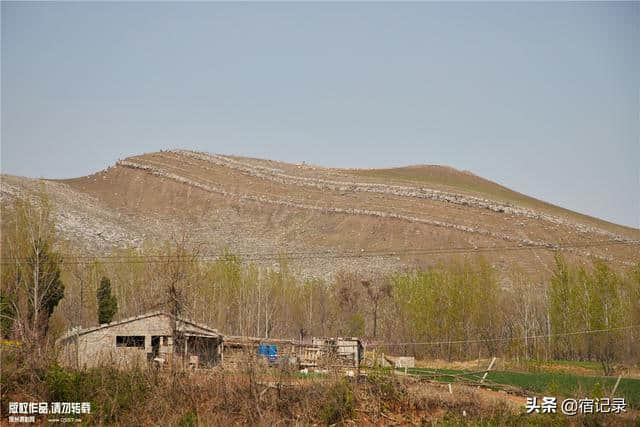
(375, 251)
(532, 337)
(322, 254)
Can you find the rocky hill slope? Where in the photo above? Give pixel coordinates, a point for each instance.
(324, 219)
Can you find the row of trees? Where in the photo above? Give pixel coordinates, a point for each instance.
(594, 299)
(458, 310)
(461, 309)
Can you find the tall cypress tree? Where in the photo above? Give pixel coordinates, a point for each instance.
(107, 303)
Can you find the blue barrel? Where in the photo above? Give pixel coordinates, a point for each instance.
(273, 353)
(270, 351)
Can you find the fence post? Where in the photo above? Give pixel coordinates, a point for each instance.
(615, 387)
(488, 369)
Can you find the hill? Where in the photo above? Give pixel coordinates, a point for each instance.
(325, 219)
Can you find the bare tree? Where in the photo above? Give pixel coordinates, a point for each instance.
(176, 263)
(376, 293)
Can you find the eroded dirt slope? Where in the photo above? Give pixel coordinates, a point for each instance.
(328, 219)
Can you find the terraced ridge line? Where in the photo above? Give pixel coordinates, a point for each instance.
(278, 175)
(210, 187)
(208, 166)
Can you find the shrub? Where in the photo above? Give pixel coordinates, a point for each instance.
(111, 392)
(383, 383)
(188, 419)
(339, 403)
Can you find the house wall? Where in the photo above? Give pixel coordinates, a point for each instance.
(99, 346)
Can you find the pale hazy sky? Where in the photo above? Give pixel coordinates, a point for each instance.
(541, 97)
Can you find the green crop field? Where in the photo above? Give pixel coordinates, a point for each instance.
(551, 383)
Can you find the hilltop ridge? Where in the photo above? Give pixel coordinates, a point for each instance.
(394, 218)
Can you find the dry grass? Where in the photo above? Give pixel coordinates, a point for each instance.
(257, 395)
(254, 395)
(219, 398)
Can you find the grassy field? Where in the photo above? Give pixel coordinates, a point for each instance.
(551, 383)
(449, 179)
(442, 176)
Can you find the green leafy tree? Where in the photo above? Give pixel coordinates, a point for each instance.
(31, 282)
(43, 268)
(631, 303)
(107, 303)
(606, 312)
(561, 306)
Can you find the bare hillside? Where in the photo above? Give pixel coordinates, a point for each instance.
(326, 219)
